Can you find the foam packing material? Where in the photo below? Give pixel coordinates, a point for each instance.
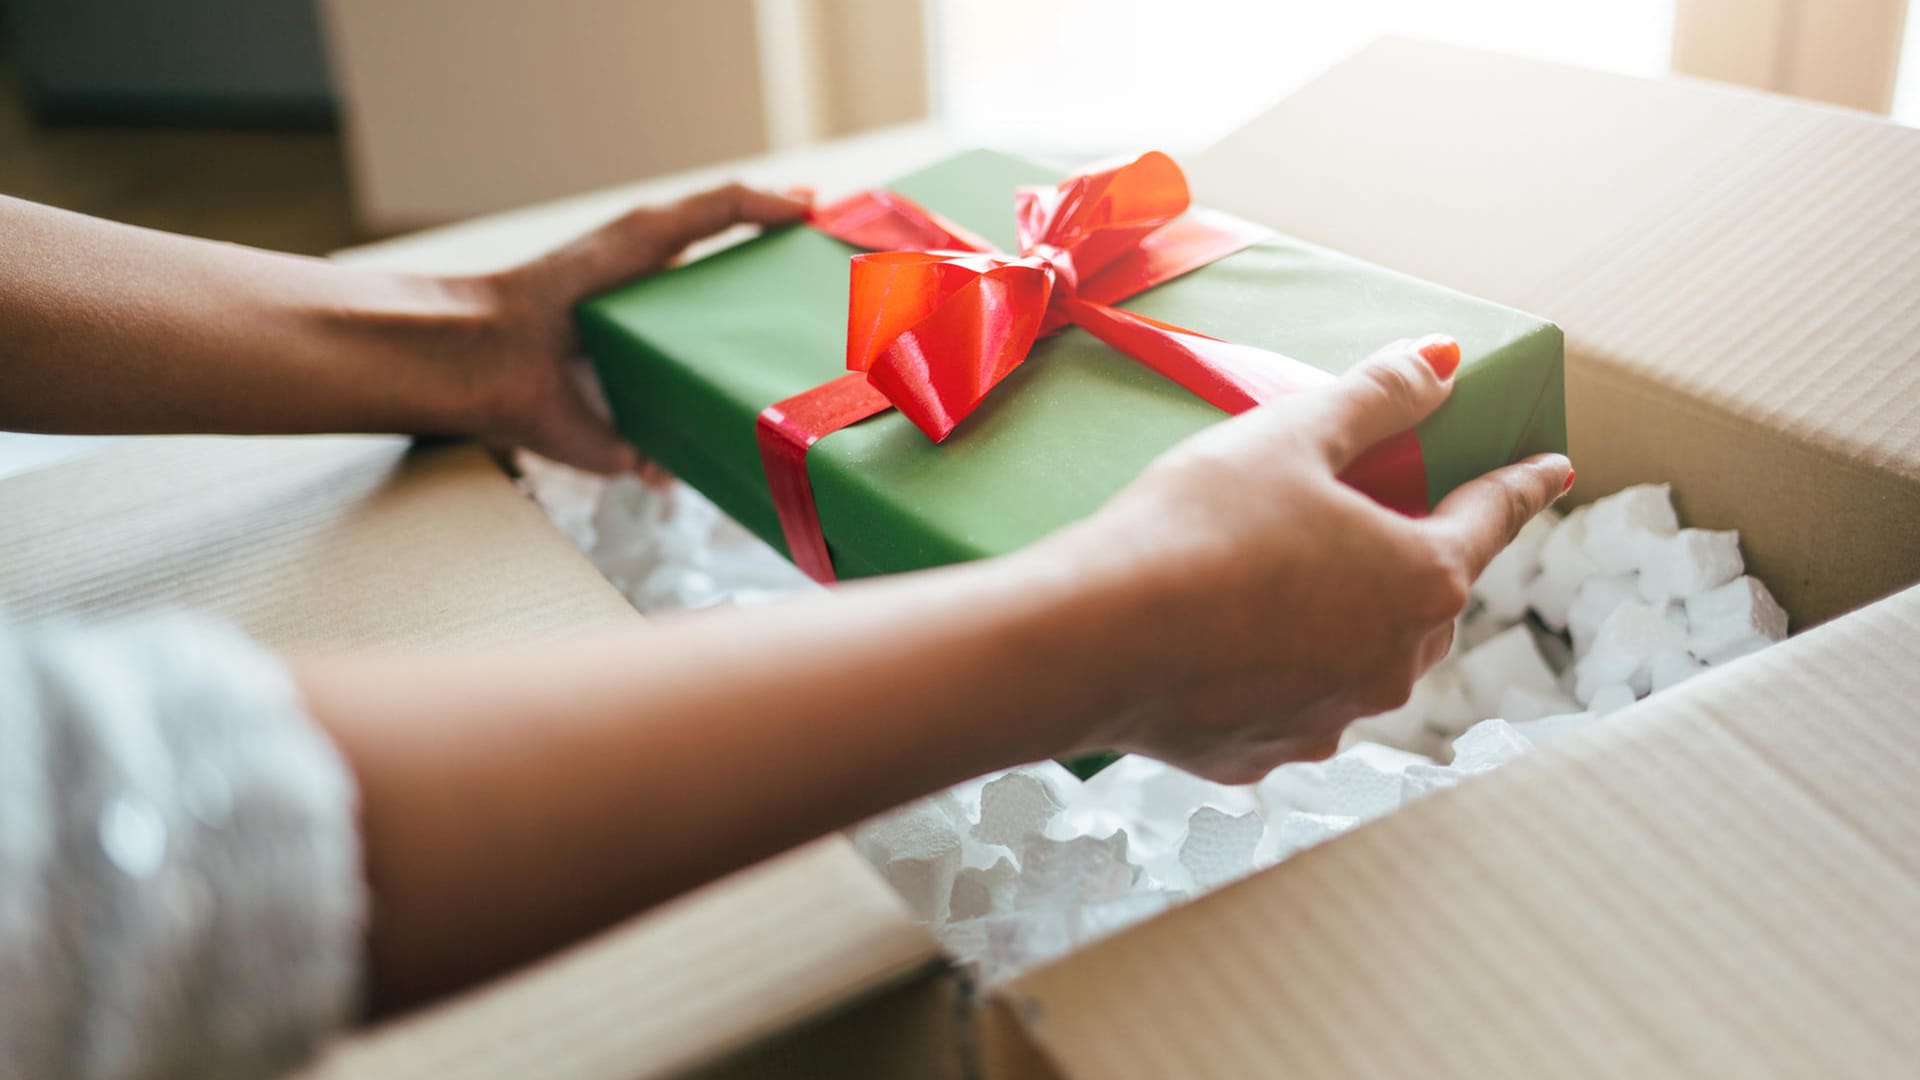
(1583, 615)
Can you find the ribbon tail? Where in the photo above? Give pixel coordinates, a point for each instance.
(1235, 378)
(1195, 239)
(885, 221)
(1393, 472)
(786, 431)
(1230, 377)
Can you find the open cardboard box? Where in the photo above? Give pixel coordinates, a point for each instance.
(1721, 880)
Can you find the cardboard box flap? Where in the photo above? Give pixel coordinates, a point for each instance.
(306, 543)
(1733, 272)
(684, 986)
(346, 542)
(1721, 880)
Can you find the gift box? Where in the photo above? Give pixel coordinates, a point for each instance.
(692, 357)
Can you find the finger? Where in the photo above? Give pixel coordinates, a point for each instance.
(643, 240)
(1435, 646)
(1385, 394)
(1482, 516)
(699, 216)
(576, 435)
(655, 475)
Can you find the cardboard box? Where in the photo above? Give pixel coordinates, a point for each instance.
(1720, 880)
(322, 543)
(1736, 274)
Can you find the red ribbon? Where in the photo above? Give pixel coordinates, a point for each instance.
(937, 318)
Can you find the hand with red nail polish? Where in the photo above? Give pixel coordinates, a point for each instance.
(1270, 603)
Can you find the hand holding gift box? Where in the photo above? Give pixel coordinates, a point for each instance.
(1021, 365)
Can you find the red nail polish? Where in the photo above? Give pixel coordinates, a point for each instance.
(1568, 486)
(1441, 353)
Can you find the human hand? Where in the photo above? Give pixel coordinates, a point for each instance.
(517, 361)
(1261, 603)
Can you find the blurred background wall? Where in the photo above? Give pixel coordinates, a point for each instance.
(309, 124)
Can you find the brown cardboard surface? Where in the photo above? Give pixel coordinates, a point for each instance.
(695, 984)
(1720, 881)
(307, 543)
(1735, 273)
(346, 542)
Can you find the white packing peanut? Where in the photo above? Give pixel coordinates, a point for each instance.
(1611, 698)
(918, 852)
(1622, 646)
(1688, 562)
(1219, 846)
(1502, 586)
(1296, 831)
(1622, 525)
(1564, 565)
(1487, 744)
(1671, 667)
(1734, 619)
(1518, 704)
(983, 891)
(1593, 603)
(1014, 805)
(1509, 658)
(1420, 781)
(1550, 728)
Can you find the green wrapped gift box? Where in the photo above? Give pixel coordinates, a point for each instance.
(691, 356)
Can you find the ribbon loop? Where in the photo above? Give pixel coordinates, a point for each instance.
(957, 347)
(936, 319)
(936, 328)
(1099, 216)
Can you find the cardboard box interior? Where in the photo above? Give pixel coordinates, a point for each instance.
(1715, 880)
(1719, 880)
(1734, 271)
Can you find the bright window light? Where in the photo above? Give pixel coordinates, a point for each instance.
(1083, 78)
(1906, 92)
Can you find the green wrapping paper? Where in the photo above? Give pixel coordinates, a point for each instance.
(691, 356)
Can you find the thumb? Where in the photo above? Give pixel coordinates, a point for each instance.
(1387, 393)
(573, 432)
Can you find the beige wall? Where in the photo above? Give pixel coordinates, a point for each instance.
(1846, 52)
(460, 107)
(875, 56)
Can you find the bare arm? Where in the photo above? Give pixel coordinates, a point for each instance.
(518, 800)
(111, 328)
(1232, 610)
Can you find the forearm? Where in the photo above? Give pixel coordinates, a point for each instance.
(111, 328)
(516, 801)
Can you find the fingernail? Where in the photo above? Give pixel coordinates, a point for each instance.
(800, 194)
(1441, 353)
(1568, 486)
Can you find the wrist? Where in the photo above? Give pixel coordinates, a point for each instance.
(1097, 630)
(422, 336)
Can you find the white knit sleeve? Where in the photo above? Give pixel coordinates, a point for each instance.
(180, 888)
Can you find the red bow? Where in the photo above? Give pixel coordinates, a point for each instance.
(937, 318)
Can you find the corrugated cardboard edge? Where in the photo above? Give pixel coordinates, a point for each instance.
(1721, 880)
(306, 543)
(690, 985)
(1734, 272)
(332, 543)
